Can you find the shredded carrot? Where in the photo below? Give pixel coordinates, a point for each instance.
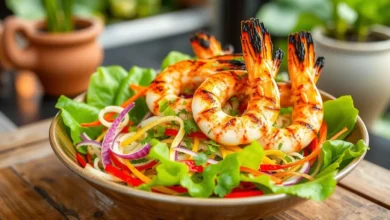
(281, 174)
(258, 173)
(195, 147)
(338, 134)
(137, 88)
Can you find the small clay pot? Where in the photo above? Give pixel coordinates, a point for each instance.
(62, 61)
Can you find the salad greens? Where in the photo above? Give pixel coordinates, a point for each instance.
(73, 113)
(110, 86)
(174, 57)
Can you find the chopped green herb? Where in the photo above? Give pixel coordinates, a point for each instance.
(187, 141)
(225, 68)
(280, 146)
(190, 126)
(287, 110)
(142, 160)
(160, 130)
(212, 147)
(165, 108)
(197, 177)
(200, 159)
(238, 58)
(233, 112)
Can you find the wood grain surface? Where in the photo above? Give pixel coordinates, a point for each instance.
(34, 184)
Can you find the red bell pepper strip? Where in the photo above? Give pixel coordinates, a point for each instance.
(192, 166)
(81, 160)
(89, 159)
(146, 166)
(196, 134)
(178, 189)
(123, 176)
(244, 193)
(122, 166)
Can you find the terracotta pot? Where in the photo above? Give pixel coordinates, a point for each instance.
(360, 69)
(62, 61)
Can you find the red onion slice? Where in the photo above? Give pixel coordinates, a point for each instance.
(111, 135)
(135, 155)
(85, 137)
(295, 179)
(191, 153)
(89, 143)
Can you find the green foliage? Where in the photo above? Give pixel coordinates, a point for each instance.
(340, 113)
(339, 17)
(174, 57)
(74, 113)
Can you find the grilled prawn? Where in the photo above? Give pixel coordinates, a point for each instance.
(263, 105)
(308, 111)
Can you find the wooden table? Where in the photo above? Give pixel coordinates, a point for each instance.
(34, 184)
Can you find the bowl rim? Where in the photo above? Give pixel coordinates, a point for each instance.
(129, 191)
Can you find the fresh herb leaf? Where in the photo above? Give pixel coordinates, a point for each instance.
(251, 156)
(287, 110)
(190, 126)
(165, 108)
(188, 143)
(160, 130)
(212, 147)
(200, 159)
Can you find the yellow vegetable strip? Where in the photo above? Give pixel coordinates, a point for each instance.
(195, 147)
(266, 160)
(146, 179)
(176, 140)
(223, 152)
(233, 148)
(101, 136)
(278, 153)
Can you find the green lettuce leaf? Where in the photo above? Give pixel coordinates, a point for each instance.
(341, 152)
(103, 86)
(251, 156)
(73, 113)
(169, 172)
(139, 76)
(174, 57)
(340, 113)
(318, 189)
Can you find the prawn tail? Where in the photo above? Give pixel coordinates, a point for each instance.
(277, 60)
(256, 44)
(205, 45)
(318, 67)
(301, 55)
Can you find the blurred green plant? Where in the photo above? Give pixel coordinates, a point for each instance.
(107, 10)
(340, 18)
(58, 13)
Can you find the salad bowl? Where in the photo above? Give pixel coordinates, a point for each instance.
(149, 205)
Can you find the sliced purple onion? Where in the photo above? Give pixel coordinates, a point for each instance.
(111, 135)
(89, 143)
(85, 137)
(295, 179)
(191, 153)
(135, 155)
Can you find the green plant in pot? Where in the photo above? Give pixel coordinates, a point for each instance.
(62, 49)
(353, 37)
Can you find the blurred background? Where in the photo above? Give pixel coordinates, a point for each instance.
(353, 35)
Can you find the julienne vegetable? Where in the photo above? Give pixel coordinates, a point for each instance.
(117, 140)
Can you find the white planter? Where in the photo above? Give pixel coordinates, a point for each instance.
(358, 69)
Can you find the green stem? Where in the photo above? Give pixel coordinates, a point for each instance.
(68, 8)
(362, 29)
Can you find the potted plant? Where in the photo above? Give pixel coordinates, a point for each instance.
(62, 49)
(351, 36)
